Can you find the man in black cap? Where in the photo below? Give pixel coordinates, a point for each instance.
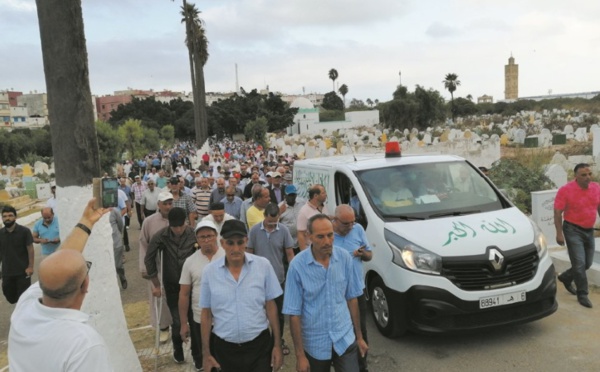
(177, 243)
(236, 290)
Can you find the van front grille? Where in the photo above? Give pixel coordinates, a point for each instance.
(477, 273)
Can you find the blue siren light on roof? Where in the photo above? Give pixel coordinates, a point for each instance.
(392, 149)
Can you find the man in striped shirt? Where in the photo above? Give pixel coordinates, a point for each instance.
(201, 197)
(137, 189)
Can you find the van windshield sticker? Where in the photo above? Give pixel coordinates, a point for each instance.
(462, 230)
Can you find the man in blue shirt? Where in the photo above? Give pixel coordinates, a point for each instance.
(351, 236)
(45, 232)
(321, 298)
(235, 292)
(232, 203)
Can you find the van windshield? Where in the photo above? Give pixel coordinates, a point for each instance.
(429, 190)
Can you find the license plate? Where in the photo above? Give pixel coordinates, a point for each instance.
(500, 300)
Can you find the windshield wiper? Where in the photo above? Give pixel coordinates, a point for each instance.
(406, 218)
(456, 213)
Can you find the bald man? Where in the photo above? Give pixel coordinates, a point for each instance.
(48, 332)
(45, 232)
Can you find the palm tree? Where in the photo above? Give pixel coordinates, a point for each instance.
(197, 44)
(343, 91)
(470, 97)
(370, 102)
(450, 83)
(333, 75)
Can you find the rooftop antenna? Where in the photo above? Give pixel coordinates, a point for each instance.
(351, 149)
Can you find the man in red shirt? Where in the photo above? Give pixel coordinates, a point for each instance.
(575, 208)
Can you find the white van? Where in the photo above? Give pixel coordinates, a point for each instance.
(450, 251)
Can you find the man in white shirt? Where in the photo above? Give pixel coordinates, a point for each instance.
(48, 332)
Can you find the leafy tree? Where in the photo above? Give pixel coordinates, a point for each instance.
(151, 113)
(332, 101)
(256, 130)
(470, 97)
(150, 140)
(464, 107)
(333, 75)
(167, 134)
(519, 181)
(131, 134)
(370, 102)
(343, 91)
(357, 105)
(110, 145)
(451, 82)
(431, 107)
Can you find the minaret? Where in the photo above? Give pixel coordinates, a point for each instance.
(511, 79)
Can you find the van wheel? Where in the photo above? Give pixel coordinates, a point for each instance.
(388, 313)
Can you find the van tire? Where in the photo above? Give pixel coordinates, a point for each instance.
(388, 313)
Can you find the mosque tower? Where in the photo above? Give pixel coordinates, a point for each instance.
(511, 79)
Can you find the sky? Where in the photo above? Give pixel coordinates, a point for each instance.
(291, 45)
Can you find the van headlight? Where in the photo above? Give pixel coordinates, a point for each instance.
(539, 240)
(411, 256)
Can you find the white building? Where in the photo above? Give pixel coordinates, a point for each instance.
(307, 119)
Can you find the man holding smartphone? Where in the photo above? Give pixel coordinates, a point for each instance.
(351, 236)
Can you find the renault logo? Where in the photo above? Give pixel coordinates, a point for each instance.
(496, 259)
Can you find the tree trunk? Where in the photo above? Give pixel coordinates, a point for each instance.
(201, 103)
(77, 161)
(195, 95)
(70, 109)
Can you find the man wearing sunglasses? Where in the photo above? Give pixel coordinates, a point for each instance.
(235, 291)
(52, 306)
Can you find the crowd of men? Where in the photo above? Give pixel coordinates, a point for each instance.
(220, 243)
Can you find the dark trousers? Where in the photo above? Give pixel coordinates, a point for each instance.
(172, 293)
(581, 247)
(148, 212)
(125, 233)
(279, 303)
(362, 308)
(14, 286)
(138, 212)
(251, 356)
(195, 336)
(346, 362)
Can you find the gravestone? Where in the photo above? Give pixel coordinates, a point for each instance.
(557, 174)
(596, 141)
(581, 134)
(568, 129)
(520, 136)
(504, 139)
(542, 213)
(27, 171)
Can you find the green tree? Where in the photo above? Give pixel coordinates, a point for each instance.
(451, 82)
(431, 107)
(333, 75)
(343, 91)
(150, 140)
(332, 101)
(256, 130)
(357, 105)
(151, 113)
(464, 107)
(167, 134)
(110, 145)
(370, 102)
(131, 134)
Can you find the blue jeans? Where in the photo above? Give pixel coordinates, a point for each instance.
(580, 245)
(347, 362)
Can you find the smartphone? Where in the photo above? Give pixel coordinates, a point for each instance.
(110, 194)
(106, 192)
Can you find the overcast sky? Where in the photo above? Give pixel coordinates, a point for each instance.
(291, 44)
